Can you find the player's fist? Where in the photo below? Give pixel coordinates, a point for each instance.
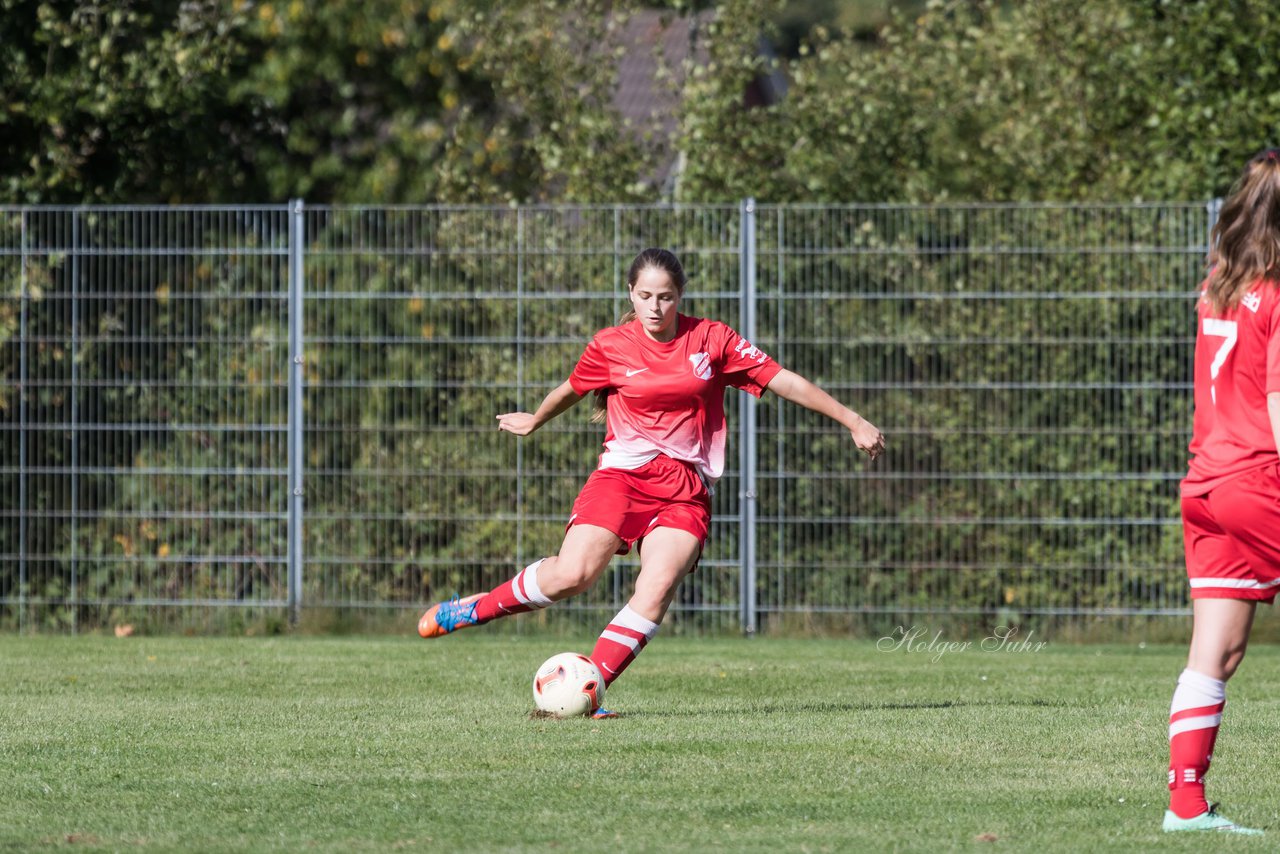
(868, 438)
(520, 423)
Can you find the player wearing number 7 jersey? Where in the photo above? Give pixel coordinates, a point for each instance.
(1231, 494)
(659, 379)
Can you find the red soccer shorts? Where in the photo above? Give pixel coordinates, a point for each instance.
(662, 493)
(1232, 538)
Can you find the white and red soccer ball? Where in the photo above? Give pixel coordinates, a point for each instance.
(568, 685)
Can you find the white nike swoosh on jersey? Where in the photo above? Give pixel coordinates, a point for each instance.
(632, 373)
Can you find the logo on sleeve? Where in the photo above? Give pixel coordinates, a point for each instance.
(747, 351)
(701, 365)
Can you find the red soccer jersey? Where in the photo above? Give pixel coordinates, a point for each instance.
(668, 397)
(1237, 365)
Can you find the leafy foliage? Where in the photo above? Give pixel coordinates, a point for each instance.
(382, 101)
(472, 100)
(120, 102)
(1093, 100)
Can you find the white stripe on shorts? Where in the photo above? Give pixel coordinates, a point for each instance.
(1234, 583)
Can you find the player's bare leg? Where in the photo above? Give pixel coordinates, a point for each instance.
(584, 554)
(1219, 637)
(667, 555)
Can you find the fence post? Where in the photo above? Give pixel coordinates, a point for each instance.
(22, 436)
(297, 236)
(520, 511)
(1213, 208)
(747, 444)
(75, 419)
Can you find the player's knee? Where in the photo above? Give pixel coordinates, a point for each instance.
(569, 579)
(1231, 661)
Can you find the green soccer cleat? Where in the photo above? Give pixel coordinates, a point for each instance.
(1209, 820)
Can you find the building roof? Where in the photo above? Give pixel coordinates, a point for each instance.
(654, 67)
(660, 48)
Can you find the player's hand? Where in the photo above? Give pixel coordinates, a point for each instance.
(868, 438)
(520, 423)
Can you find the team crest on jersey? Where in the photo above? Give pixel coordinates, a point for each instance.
(701, 365)
(1252, 301)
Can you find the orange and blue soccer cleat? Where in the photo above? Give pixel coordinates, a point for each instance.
(449, 616)
(603, 713)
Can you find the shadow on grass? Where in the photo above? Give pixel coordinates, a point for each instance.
(831, 708)
(845, 708)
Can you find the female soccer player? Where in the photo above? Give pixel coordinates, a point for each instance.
(1231, 495)
(661, 378)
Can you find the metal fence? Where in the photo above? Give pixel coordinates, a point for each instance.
(291, 408)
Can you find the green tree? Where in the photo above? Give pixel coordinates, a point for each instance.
(115, 102)
(1089, 100)
(374, 102)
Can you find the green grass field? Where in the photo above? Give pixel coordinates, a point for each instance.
(795, 745)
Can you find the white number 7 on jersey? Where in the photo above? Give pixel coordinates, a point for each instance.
(1219, 329)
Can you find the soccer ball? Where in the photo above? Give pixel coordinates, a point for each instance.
(567, 685)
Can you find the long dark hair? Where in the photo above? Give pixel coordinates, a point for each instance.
(651, 258)
(1245, 242)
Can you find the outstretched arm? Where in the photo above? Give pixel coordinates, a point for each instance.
(558, 400)
(797, 389)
